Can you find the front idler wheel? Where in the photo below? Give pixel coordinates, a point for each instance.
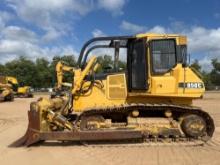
(194, 126)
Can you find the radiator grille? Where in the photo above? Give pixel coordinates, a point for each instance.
(117, 87)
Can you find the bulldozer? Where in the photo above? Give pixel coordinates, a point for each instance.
(6, 92)
(151, 99)
(19, 90)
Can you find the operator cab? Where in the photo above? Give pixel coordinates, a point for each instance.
(131, 55)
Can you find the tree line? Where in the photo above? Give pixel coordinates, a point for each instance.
(41, 72)
(212, 78)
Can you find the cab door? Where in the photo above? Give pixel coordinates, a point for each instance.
(163, 60)
(137, 65)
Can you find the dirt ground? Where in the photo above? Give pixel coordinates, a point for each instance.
(13, 123)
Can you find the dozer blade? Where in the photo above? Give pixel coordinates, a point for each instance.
(32, 134)
(28, 139)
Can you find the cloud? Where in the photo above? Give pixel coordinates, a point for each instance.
(52, 34)
(4, 18)
(18, 47)
(17, 41)
(202, 39)
(10, 49)
(43, 25)
(114, 6)
(98, 33)
(131, 27)
(18, 33)
(51, 15)
(47, 15)
(205, 62)
(158, 29)
(26, 9)
(135, 28)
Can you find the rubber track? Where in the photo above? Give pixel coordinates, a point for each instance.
(181, 109)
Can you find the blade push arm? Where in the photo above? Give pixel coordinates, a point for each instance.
(79, 75)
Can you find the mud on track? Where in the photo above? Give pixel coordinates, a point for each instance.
(13, 123)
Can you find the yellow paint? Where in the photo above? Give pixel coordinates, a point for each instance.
(13, 80)
(163, 85)
(23, 90)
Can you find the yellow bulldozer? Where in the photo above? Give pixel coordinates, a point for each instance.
(19, 91)
(151, 99)
(6, 92)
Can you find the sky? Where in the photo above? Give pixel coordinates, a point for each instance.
(45, 28)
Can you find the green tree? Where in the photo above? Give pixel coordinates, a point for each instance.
(41, 73)
(196, 65)
(105, 63)
(215, 73)
(122, 65)
(23, 69)
(2, 69)
(207, 80)
(44, 76)
(203, 74)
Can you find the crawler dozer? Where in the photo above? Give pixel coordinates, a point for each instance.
(19, 90)
(6, 92)
(150, 99)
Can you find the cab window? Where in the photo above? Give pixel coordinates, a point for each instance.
(163, 55)
(106, 59)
